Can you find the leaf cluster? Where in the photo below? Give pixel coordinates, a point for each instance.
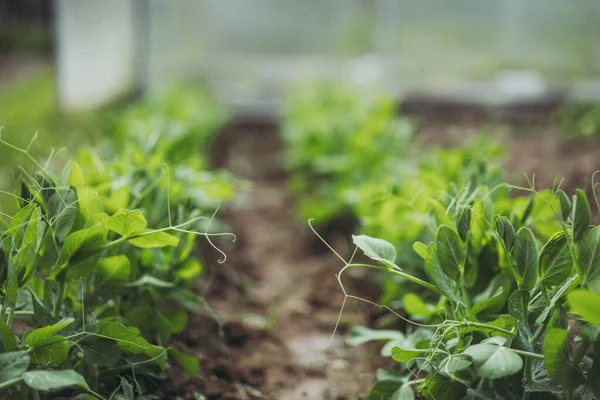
(506, 309)
(97, 265)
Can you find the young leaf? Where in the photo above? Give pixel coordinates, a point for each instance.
(127, 223)
(525, 255)
(438, 277)
(83, 239)
(115, 268)
(13, 364)
(40, 335)
(565, 205)
(582, 216)
(127, 389)
(49, 380)
(62, 210)
(154, 240)
(421, 249)
(493, 298)
(128, 339)
(463, 222)
(190, 364)
(55, 349)
(376, 249)
(405, 355)
(493, 361)
(505, 231)
(589, 258)
(556, 358)
(451, 251)
(586, 304)
(359, 335)
(414, 305)
(528, 209)
(555, 261)
(8, 342)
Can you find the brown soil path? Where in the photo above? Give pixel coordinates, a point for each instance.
(278, 297)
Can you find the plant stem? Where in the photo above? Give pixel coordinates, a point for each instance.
(539, 331)
(404, 275)
(528, 354)
(59, 297)
(9, 383)
(491, 327)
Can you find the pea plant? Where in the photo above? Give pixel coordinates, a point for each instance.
(504, 310)
(334, 141)
(94, 278)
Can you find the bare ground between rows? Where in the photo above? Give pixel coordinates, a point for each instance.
(279, 299)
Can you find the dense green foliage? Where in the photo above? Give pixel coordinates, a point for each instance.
(335, 140)
(504, 312)
(98, 262)
(502, 291)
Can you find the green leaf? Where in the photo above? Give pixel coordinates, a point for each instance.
(493, 298)
(589, 258)
(127, 223)
(505, 231)
(54, 349)
(115, 268)
(385, 390)
(128, 339)
(41, 335)
(555, 261)
(360, 334)
(439, 387)
(438, 277)
(103, 352)
(18, 224)
(127, 389)
(565, 205)
(582, 216)
(76, 177)
(405, 355)
(586, 304)
(421, 249)
(189, 270)
(528, 209)
(50, 380)
(190, 364)
(82, 240)
(518, 309)
(153, 240)
(525, 255)
(62, 210)
(414, 305)
(556, 357)
(8, 342)
(13, 364)
(494, 362)
(376, 249)
(451, 251)
(463, 222)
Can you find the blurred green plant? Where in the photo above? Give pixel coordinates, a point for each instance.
(335, 141)
(579, 120)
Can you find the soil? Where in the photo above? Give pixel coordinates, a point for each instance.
(277, 295)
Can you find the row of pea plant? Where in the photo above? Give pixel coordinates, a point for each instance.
(98, 264)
